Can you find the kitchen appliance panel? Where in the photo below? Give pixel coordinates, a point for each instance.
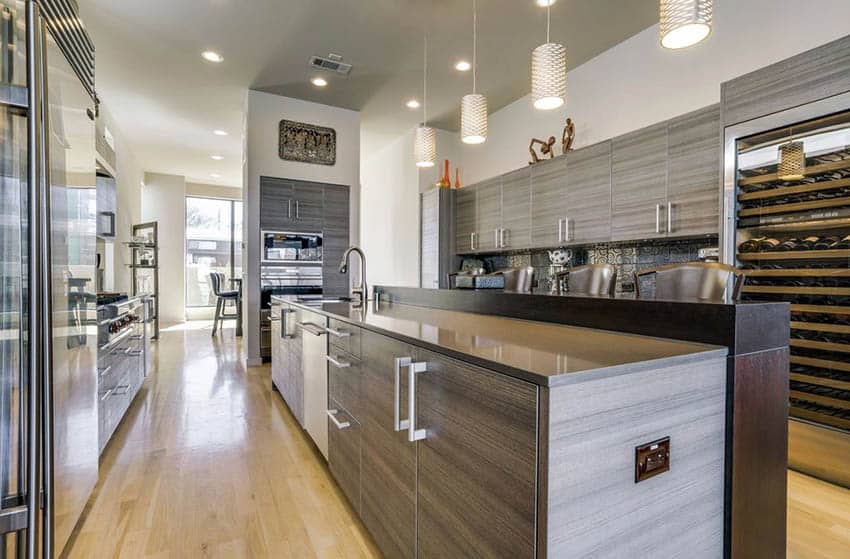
(282, 247)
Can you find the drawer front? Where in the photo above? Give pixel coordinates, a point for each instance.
(344, 452)
(344, 336)
(344, 377)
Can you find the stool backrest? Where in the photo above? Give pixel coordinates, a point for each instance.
(518, 279)
(694, 281)
(216, 279)
(595, 280)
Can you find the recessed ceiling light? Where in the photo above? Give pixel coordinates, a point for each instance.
(212, 56)
(215, 176)
(319, 82)
(219, 132)
(412, 104)
(463, 66)
(545, 3)
(216, 157)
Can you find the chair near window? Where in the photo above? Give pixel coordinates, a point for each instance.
(221, 298)
(592, 280)
(694, 281)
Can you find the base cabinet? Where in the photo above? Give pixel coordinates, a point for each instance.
(344, 434)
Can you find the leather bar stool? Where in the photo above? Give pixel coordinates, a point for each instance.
(694, 281)
(222, 297)
(592, 280)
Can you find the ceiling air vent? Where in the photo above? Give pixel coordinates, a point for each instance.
(331, 63)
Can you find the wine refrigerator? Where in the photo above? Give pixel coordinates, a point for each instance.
(786, 222)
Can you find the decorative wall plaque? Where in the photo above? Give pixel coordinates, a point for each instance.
(307, 143)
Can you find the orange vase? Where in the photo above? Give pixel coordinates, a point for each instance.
(457, 177)
(446, 182)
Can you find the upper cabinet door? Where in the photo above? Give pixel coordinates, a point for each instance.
(465, 226)
(548, 202)
(489, 214)
(639, 184)
(308, 207)
(476, 481)
(276, 205)
(693, 183)
(336, 239)
(516, 210)
(589, 194)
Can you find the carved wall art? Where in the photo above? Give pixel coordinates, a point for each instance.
(545, 149)
(568, 136)
(307, 143)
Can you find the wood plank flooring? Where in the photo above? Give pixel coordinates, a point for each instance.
(210, 463)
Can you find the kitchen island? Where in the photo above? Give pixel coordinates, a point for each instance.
(467, 434)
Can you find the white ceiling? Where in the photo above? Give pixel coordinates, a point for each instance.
(167, 100)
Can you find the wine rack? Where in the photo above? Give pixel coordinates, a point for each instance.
(793, 239)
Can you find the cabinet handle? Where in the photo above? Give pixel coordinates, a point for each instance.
(669, 217)
(566, 229)
(338, 364)
(560, 231)
(106, 394)
(502, 243)
(498, 242)
(283, 333)
(399, 424)
(289, 209)
(104, 371)
(472, 241)
(658, 218)
(339, 424)
(414, 434)
(297, 209)
(338, 333)
(124, 388)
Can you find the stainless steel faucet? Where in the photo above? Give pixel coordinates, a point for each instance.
(360, 289)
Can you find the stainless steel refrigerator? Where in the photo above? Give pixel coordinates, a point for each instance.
(48, 326)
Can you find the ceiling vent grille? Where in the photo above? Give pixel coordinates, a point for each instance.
(333, 63)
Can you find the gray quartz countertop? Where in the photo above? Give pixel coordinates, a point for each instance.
(543, 353)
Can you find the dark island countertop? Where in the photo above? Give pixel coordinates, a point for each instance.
(543, 353)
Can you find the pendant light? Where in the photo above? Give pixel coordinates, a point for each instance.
(549, 72)
(685, 22)
(425, 145)
(473, 107)
(792, 161)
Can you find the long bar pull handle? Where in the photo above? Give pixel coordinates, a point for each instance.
(560, 231)
(338, 364)
(414, 434)
(502, 243)
(498, 242)
(399, 424)
(566, 229)
(658, 218)
(337, 333)
(297, 209)
(289, 209)
(339, 424)
(283, 312)
(669, 217)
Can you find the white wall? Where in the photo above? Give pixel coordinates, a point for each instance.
(263, 113)
(164, 201)
(637, 83)
(213, 191)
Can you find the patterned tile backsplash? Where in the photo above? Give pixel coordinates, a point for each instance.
(627, 257)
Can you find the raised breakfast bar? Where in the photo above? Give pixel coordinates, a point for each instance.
(485, 432)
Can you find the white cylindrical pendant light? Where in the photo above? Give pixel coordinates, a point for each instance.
(473, 107)
(549, 73)
(425, 144)
(425, 147)
(792, 162)
(473, 118)
(685, 22)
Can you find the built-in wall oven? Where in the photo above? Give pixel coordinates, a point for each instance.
(304, 280)
(281, 247)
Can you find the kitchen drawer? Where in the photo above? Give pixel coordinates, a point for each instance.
(344, 452)
(344, 376)
(344, 336)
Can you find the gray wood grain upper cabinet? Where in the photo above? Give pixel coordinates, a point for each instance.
(693, 173)
(588, 211)
(276, 203)
(335, 227)
(516, 210)
(489, 220)
(466, 218)
(477, 470)
(639, 184)
(388, 459)
(548, 202)
(308, 207)
(815, 74)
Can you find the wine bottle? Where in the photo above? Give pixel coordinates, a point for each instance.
(768, 244)
(789, 244)
(826, 243)
(843, 243)
(750, 246)
(808, 243)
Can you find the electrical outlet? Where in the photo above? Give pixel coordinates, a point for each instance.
(652, 459)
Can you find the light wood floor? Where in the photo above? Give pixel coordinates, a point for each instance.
(209, 463)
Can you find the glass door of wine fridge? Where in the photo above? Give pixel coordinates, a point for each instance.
(791, 193)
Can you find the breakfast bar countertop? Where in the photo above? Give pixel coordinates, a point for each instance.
(543, 353)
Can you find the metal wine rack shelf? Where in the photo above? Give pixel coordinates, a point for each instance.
(815, 281)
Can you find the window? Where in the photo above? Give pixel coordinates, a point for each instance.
(213, 244)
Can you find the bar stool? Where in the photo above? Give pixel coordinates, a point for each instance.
(222, 297)
(694, 281)
(592, 280)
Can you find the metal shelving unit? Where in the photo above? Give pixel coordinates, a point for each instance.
(144, 263)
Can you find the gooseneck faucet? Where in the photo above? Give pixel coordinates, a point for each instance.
(360, 289)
